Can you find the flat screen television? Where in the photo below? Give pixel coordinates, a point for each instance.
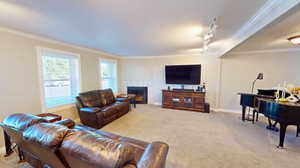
(183, 74)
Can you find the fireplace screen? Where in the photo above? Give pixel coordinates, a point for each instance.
(141, 94)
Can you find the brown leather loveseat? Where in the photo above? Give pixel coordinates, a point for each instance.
(66, 145)
(99, 107)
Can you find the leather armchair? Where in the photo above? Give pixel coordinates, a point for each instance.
(99, 107)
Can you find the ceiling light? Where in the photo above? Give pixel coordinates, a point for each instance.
(208, 36)
(295, 39)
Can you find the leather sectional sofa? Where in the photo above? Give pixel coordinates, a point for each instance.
(65, 145)
(99, 107)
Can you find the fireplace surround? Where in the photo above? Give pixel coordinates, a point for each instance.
(140, 92)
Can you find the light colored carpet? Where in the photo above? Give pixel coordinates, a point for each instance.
(12, 162)
(199, 140)
(216, 140)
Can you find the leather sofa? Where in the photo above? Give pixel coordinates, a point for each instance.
(66, 145)
(99, 107)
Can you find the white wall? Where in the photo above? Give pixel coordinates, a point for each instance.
(239, 71)
(150, 72)
(19, 85)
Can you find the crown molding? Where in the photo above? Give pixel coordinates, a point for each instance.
(159, 56)
(265, 51)
(45, 39)
(270, 11)
(170, 56)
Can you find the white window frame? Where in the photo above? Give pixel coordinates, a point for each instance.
(114, 61)
(40, 50)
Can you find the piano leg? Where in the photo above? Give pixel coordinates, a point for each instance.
(253, 115)
(282, 135)
(257, 116)
(244, 113)
(298, 130)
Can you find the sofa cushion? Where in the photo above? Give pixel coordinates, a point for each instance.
(90, 99)
(109, 111)
(22, 121)
(120, 106)
(137, 145)
(46, 134)
(83, 128)
(95, 150)
(107, 97)
(108, 135)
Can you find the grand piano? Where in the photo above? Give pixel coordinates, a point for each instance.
(284, 113)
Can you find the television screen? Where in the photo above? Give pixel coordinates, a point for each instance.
(183, 74)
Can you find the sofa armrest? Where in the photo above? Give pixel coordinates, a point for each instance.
(122, 99)
(91, 116)
(90, 109)
(67, 122)
(155, 156)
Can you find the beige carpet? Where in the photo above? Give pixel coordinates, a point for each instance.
(198, 140)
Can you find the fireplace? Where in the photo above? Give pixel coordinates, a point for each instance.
(140, 92)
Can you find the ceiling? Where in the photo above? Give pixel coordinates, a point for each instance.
(275, 35)
(129, 27)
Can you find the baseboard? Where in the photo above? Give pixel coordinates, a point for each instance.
(227, 110)
(212, 109)
(156, 103)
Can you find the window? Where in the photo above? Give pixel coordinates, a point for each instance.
(59, 77)
(108, 69)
